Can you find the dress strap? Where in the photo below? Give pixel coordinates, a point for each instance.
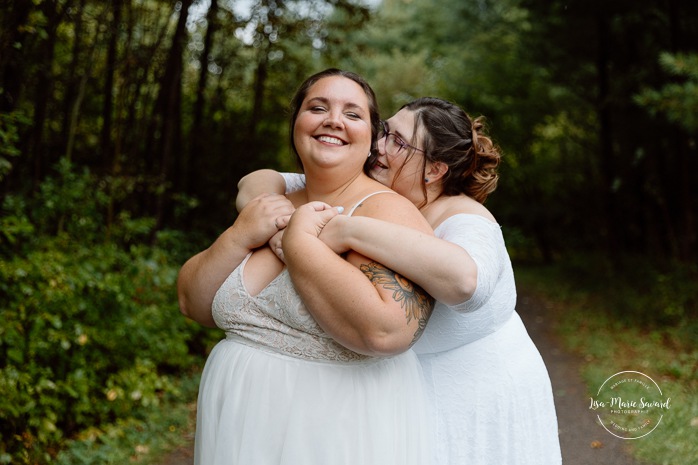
(358, 204)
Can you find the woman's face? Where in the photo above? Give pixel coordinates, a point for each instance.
(402, 168)
(333, 124)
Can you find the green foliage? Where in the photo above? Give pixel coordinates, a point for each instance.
(92, 79)
(133, 440)
(677, 101)
(91, 332)
(632, 290)
(10, 125)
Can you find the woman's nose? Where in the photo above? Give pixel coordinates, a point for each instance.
(333, 120)
(380, 145)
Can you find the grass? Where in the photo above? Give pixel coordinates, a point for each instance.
(144, 440)
(598, 322)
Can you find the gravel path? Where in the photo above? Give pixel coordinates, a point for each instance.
(583, 441)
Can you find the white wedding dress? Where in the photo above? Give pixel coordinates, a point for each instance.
(278, 390)
(490, 392)
(491, 395)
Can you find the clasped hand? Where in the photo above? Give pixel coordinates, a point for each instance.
(313, 218)
(262, 218)
(266, 217)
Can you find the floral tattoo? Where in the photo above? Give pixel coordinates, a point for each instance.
(416, 302)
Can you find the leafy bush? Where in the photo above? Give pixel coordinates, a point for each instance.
(91, 331)
(633, 288)
(10, 125)
(678, 99)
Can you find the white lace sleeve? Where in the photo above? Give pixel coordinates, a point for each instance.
(483, 240)
(294, 182)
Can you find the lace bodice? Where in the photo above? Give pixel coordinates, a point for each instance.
(275, 319)
(494, 299)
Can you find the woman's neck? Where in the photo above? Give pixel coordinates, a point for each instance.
(434, 206)
(335, 192)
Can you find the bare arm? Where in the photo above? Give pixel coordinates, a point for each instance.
(202, 275)
(362, 304)
(445, 270)
(256, 183)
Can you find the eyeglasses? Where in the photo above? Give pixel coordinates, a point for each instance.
(393, 143)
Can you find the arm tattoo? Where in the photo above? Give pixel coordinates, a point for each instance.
(416, 302)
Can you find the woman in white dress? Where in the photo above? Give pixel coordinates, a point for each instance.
(489, 389)
(287, 387)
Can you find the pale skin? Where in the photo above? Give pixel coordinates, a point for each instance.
(358, 301)
(203, 274)
(445, 270)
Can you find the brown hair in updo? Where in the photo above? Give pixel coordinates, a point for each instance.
(450, 136)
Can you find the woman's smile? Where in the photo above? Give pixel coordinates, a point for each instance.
(331, 140)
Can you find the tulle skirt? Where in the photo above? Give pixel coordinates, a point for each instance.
(263, 408)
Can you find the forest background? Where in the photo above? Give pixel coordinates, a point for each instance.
(125, 126)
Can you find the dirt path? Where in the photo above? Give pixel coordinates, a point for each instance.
(182, 456)
(582, 440)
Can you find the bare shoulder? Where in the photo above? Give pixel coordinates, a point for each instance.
(447, 207)
(392, 207)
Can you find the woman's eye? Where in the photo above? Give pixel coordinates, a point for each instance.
(353, 116)
(317, 109)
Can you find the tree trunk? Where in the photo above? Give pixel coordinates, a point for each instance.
(44, 89)
(12, 44)
(686, 158)
(72, 87)
(259, 83)
(169, 112)
(608, 169)
(76, 96)
(196, 137)
(107, 145)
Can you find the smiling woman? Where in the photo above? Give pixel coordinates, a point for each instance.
(339, 112)
(313, 368)
(397, 166)
(490, 392)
